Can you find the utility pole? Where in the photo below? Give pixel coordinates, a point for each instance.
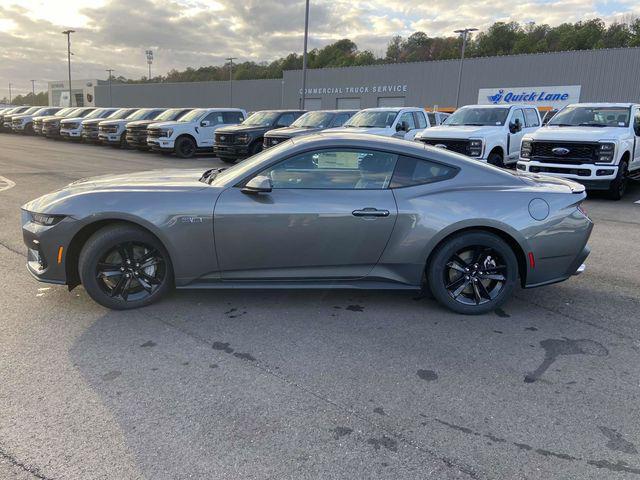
(110, 71)
(304, 54)
(33, 92)
(149, 54)
(68, 34)
(231, 59)
(464, 34)
(10, 102)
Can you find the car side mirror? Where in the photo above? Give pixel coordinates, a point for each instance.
(402, 127)
(636, 129)
(205, 123)
(515, 127)
(258, 184)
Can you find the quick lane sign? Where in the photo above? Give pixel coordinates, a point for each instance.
(548, 96)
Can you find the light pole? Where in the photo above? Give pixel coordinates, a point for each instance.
(304, 53)
(110, 71)
(10, 102)
(33, 92)
(149, 54)
(464, 33)
(68, 34)
(231, 59)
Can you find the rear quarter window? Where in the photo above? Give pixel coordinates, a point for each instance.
(412, 171)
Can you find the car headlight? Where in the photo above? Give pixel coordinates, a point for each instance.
(243, 138)
(475, 148)
(45, 219)
(606, 152)
(525, 149)
(167, 133)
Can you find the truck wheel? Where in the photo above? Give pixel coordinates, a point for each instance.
(618, 186)
(185, 147)
(496, 159)
(473, 272)
(227, 159)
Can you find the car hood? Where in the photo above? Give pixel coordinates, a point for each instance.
(461, 131)
(92, 121)
(168, 124)
(140, 123)
(113, 122)
(168, 180)
(572, 134)
(71, 120)
(369, 130)
(44, 118)
(292, 132)
(242, 129)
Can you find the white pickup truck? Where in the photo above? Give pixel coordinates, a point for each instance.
(490, 133)
(192, 132)
(596, 144)
(399, 122)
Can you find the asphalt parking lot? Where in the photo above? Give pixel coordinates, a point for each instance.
(296, 385)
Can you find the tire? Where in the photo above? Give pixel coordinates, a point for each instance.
(28, 130)
(256, 147)
(228, 160)
(119, 250)
(496, 159)
(618, 186)
(489, 260)
(185, 147)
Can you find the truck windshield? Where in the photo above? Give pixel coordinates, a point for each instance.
(478, 116)
(98, 113)
(170, 114)
(372, 118)
(118, 114)
(193, 115)
(575, 116)
(261, 119)
(140, 114)
(314, 120)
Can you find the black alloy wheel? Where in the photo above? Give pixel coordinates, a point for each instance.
(185, 147)
(496, 159)
(618, 186)
(473, 272)
(122, 267)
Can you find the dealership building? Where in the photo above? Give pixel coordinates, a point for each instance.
(546, 80)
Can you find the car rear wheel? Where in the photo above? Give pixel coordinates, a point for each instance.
(473, 272)
(185, 147)
(123, 267)
(618, 186)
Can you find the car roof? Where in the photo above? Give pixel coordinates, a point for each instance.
(500, 105)
(389, 109)
(602, 104)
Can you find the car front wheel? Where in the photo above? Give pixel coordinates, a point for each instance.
(185, 147)
(123, 267)
(473, 272)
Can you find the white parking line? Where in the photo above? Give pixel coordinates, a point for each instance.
(9, 184)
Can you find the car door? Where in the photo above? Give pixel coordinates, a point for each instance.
(515, 139)
(329, 215)
(206, 128)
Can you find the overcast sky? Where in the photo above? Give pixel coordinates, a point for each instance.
(115, 33)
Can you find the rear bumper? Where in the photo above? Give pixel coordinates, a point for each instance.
(593, 177)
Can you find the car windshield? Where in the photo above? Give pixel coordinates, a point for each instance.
(170, 114)
(314, 120)
(139, 114)
(121, 113)
(372, 118)
(261, 119)
(95, 114)
(478, 116)
(31, 110)
(193, 115)
(42, 111)
(64, 112)
(576, 116)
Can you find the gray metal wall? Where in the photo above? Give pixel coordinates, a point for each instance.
(605, 75)
(247, 94)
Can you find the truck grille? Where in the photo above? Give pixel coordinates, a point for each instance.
(154, 133)
(137, 129)
(90, 127)
(108, 129)
(225, 138)
(578, 152)
(454, 145)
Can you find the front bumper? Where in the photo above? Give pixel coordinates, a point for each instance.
(231, 151)
(137, 141)
(109, 138)
(18, 128)
(90, 136)
(594, 177)
(71, 134)
(50, 131)
(160, 143)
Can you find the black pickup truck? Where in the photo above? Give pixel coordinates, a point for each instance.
(245, 139)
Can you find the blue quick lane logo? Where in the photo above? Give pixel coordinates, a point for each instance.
(527, 97)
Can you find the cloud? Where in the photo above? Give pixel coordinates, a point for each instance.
(115, 33)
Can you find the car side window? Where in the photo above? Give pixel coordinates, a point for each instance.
(286, 119)
(408, 118)
(531, 118)
(421, 120)
(334, 169)
(416, 171)
(519, 116)
(432, 118)
(214, 118)
(636, 124)
(339, 119)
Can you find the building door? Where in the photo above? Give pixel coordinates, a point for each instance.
(312, 104)
(348, 104)
(389, 102)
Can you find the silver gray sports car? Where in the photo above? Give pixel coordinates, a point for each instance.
(324, 211)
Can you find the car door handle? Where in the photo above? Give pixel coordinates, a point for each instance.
(370, 212)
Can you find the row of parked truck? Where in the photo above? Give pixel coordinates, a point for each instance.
(595, 144)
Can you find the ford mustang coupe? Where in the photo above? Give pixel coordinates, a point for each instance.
(319, 212)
